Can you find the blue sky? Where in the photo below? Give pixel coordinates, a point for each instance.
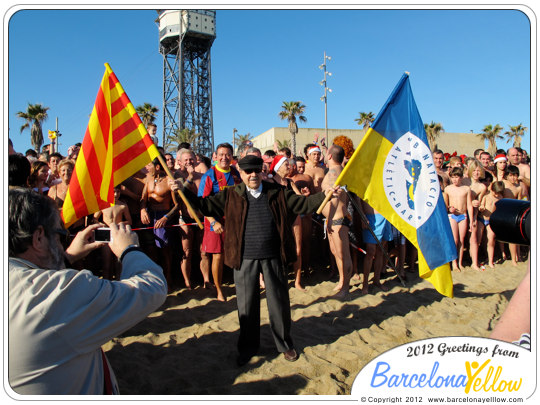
(468, 68)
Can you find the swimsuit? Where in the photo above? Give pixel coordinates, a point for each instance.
(381, 228)
(484, 221)
(458, 218)
(345, 221)
(161, 235)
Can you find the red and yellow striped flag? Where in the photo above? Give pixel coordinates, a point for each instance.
(115, 146)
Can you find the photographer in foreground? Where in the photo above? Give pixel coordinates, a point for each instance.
(511, 223)
(58, 317)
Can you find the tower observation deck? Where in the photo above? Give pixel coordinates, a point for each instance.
(185, 39)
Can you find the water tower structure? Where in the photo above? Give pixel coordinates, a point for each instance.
(185, 40)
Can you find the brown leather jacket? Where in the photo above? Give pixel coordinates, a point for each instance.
(232, 203)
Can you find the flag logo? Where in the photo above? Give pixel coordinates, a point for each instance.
(410, 180)
(393, 172)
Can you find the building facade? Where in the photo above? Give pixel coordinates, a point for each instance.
(462, 143)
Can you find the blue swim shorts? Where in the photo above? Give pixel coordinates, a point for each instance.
(380, 226)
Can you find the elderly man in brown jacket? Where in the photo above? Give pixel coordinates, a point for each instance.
(259, 238)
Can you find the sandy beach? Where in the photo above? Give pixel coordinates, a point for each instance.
(188, 346)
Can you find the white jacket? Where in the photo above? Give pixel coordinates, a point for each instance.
(58, 320)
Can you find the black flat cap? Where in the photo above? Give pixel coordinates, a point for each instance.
(250, 162)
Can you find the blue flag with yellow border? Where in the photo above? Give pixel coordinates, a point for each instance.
(392, 170)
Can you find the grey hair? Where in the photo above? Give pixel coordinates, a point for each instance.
(27, 211)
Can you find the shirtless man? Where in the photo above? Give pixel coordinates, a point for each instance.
(438, 160)
(487, 207)
(115, 214)
(514, 158)
(158, 205)
(314, 169)
(459, 206)
(514, 189)
(478, 190)
(375, 258)
(489, 176)
(189, 233)
(338, 222)
(303, 182)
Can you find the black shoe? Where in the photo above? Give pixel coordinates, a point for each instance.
(244, 358)
(290, 355)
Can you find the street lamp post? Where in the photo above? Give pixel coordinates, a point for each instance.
(325, 97)
(234, 132)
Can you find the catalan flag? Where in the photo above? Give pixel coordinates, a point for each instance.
(392, 170)
(115, 146)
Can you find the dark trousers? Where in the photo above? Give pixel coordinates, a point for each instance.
(246, 280)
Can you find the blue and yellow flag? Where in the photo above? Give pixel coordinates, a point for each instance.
(392, 170)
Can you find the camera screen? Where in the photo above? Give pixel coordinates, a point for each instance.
(103, 234)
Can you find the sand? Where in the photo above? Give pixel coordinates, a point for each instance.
(188, 346)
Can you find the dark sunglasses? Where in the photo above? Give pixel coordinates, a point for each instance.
(249, 171)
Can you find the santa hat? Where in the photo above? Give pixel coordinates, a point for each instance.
(313, 149)
(500, 158)
(277, 162)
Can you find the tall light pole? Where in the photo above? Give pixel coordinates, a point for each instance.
(325, 97)
(234, 132)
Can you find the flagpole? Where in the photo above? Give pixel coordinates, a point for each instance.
(182, 195)
(366, 222)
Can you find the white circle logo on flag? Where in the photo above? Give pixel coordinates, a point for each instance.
(410, 180)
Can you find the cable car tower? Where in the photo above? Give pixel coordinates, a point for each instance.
(185, 39)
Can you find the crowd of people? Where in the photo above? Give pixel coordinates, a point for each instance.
(260, 222)
(169, 233)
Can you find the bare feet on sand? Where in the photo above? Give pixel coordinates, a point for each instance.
(380, 285)
(221, 297)
(299, 287)
(341, 295)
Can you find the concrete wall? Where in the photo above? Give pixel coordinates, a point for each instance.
(463, 143)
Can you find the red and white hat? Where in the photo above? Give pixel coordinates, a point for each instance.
(500, 158)
(313, 149)
(277, 162)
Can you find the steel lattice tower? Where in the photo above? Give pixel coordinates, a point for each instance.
(186, 37)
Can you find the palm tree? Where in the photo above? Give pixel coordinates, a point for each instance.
(181, 135)
(34, 115)
(291, 110)
(491, 133)
(366, 119)
(147, 113)
(433, 130)
(240, 139)
(286, 143)
(515, 134)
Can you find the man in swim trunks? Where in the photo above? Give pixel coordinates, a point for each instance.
(338, 222)
(375, 258)
(189, 233)
(158, 205)
(459, 206)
